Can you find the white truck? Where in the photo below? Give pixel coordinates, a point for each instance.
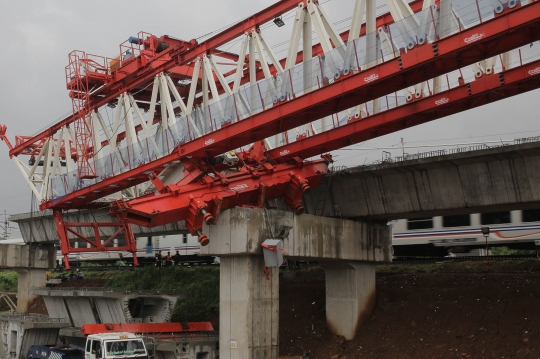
(98, 346)
(114, 345)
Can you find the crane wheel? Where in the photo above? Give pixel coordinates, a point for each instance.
(203, 240)
(208, 218)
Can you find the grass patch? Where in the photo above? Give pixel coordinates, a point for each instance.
(8, 281)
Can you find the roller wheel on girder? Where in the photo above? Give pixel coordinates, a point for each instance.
(203, 240)
(208, 218)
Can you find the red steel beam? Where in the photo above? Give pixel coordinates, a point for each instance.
(515, 28)
(249, 188)
(482, 91)
(29, 141)
(177, 59)
(147, 328)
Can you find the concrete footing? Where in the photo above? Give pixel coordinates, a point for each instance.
(249, 302)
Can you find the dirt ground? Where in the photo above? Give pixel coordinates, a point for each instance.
(486, 312)
(458, 311)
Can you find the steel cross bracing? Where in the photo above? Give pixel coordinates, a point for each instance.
(176, 109)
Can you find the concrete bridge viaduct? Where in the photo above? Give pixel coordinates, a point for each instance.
(348, 245)
(493, 179)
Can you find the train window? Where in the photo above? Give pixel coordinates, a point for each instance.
(420, 223)
(495, 218)
(530, 215)
(184, 238)
(458, 220)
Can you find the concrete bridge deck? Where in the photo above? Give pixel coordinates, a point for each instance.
(494, 179)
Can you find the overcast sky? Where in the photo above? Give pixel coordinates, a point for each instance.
(38, 35)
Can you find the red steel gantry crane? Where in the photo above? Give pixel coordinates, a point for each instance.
(189, 139)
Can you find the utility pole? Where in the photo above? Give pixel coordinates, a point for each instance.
(5, 227)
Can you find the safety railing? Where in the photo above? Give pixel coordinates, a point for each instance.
(31, 318)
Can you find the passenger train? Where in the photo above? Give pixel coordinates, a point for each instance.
(461, 233)
(147, 247)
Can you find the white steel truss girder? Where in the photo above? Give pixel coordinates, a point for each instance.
(354, 33)
(324, 38)
(193, 88)
(427, 19)
(404, 19)
(307, 43)
(264, 65)
(24, 171)
(295, 37)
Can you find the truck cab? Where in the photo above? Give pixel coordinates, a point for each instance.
(114, 346)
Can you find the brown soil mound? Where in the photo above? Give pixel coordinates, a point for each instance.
(437, 315)
(458, 312)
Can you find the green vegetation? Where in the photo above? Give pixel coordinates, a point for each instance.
(88, 273)
(505, 251)
(201, 283)
(8, 281)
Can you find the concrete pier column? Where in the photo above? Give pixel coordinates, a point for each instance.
(30, 261)
(249, 302)
(249, 309)
(28, 278)
(350, 296)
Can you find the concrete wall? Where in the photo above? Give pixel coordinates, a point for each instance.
(27, 279)
(20, 332)
(503, 178)
(25, 256)
(56, 307)
(77, 306)
(81, 311)
(110, 310)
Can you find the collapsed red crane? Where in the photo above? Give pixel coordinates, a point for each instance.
(212, 178)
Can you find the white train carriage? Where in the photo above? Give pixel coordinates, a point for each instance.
(147, 247)
(461, 233)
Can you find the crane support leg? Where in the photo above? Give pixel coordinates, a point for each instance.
(118, 236)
